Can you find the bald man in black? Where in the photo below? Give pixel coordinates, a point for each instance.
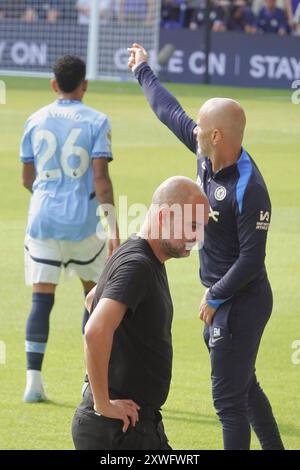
(128, 343)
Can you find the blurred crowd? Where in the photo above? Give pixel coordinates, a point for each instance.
(54, 11)
(250, 16)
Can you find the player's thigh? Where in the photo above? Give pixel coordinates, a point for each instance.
(43, 262)
(233, 351)
(84, 259)
(252, 310)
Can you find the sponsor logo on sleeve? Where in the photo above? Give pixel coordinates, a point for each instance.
(264, 221)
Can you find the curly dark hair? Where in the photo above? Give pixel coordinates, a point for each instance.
(69, 72)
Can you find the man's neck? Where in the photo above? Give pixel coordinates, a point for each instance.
(69, 97)
(220, 161)
(154, 245)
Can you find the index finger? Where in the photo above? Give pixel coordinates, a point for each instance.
(138, 46)
(131, 402)
(126, 423)
(133, 416)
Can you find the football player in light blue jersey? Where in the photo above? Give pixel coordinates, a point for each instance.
(65, 152)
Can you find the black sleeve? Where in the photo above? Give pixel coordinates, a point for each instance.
(129, 283)
(166, 107)
(252, 223)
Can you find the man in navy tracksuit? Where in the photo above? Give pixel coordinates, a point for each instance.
(238, 301)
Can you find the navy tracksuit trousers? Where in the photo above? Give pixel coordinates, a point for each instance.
(233, 341)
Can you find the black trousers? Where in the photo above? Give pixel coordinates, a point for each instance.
(233, 342)
(93, 432)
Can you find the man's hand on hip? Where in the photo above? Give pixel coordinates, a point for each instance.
(124, 410)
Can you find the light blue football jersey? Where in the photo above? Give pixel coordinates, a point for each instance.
(61, 140)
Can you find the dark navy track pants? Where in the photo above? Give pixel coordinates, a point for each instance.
(233, 342)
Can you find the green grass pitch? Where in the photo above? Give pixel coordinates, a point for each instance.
(145, 154)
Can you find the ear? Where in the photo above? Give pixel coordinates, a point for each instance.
(163, 216)
(216, 136)
(160, 217)
(85, 85)
(165, 220)
(54, 86)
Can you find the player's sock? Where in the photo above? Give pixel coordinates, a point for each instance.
(85, 315)
(37, 329)
(34, 378)
(34, 391)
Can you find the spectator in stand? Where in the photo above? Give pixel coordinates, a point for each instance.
(36, 10)
(241, 17)
(11, 9)
(191, 5)
(256, 5)
(292, 8)
(216, 16)
(69, 13)
(173, 13)
(136, 10)
(84, 10)
(272, 19)
(2, 9)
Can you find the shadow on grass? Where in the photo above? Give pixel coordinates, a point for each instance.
(194, 417)
(289, 430)
(191, 417)
(54, 404)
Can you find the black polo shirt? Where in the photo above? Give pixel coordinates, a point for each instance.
(141, 357)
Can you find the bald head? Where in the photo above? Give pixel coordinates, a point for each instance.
(226, 115)
(175, 221)
(178, 190)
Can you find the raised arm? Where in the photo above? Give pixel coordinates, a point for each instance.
(163, 103)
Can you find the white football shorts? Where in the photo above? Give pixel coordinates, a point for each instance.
(45, 259)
